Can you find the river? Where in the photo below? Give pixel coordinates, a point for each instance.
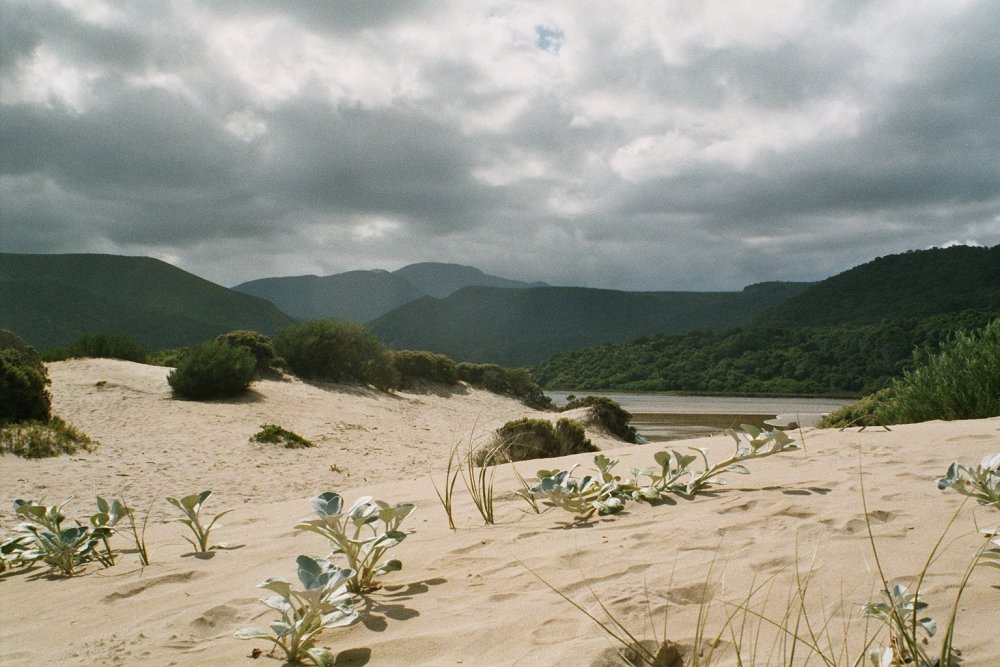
(659, 417)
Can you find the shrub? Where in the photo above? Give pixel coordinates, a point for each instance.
(961, 381)
(419, 365)
(259, 345)
(101, 346)
(515, 382)
(168, 358)
(11, 341)
(37, 440)
(608, 414)
(213, 370)
(381, 373)
(24, 382)
(331, 350)
(272, 433)
(525, 439)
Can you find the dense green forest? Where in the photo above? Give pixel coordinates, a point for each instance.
(849, 334)
(850, 359)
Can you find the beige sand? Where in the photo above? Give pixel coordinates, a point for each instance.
(465, 596)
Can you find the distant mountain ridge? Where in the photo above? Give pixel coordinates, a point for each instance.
(361, 296)
(51, 300)
(526, 326)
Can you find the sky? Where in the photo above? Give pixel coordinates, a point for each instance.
(637, 145)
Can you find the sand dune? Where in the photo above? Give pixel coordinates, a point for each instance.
(467, 596)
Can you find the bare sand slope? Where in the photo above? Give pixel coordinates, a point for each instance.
(467, 596)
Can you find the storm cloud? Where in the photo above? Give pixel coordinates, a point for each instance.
(633, 145)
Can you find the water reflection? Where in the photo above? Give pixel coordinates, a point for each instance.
(661, 418)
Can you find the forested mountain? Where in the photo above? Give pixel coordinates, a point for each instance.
(361, 296)
(51, 300)
(847, 334)
(521, 327)
(919, 283)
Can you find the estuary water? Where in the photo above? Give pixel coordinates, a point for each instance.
(659, 417)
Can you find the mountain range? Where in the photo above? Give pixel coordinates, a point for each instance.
(51, 300)
(361, 296)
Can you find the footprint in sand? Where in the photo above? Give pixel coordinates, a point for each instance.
(128, 590)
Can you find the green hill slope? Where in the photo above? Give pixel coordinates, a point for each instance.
(919, 283)
(525, 326)
(848, 334)
(51, 300)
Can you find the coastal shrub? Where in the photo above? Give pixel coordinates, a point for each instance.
(331, 350)
(416, 365)
(213, 370)
(961, 381)
(100, 346)
(526, 438)
(608, 414)
(380, 372)
(362, 535)
(272, 433)
(260, 346)
(33, 439)
(11, 341)
(24, 384)
(323, 603)
(167, 358)
(514, 382)
(191, 506)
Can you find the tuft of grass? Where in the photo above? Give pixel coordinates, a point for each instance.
(272, 433)
(451, 475)
(34, 439)
(527, 438)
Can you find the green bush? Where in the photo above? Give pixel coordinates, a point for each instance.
(100, 346)
(419, 365)
(525, 439)
(515, 382)
(608, 414)
(213, 370)
(274, 434)
(24, 382)
(43, 439)
(961, 381)
(331, 350)
(381, 372)
(168, 358)
(259, 345)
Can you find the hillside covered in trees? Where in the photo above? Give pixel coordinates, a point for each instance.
(847, 335)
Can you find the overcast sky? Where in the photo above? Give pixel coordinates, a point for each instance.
(691, 144)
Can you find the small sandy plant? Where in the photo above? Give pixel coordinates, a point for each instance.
(44, 537)
(606, 493)
(272, 433)
(982, 483)
(324, 602)
(362, 535)
(139, 534)
(191, 506)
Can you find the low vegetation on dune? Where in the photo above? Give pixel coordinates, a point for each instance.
(606, 414)
(961, 381)
(274, 434)
(100, 346)
(27, 427)
(213, 369)
(525, 439)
